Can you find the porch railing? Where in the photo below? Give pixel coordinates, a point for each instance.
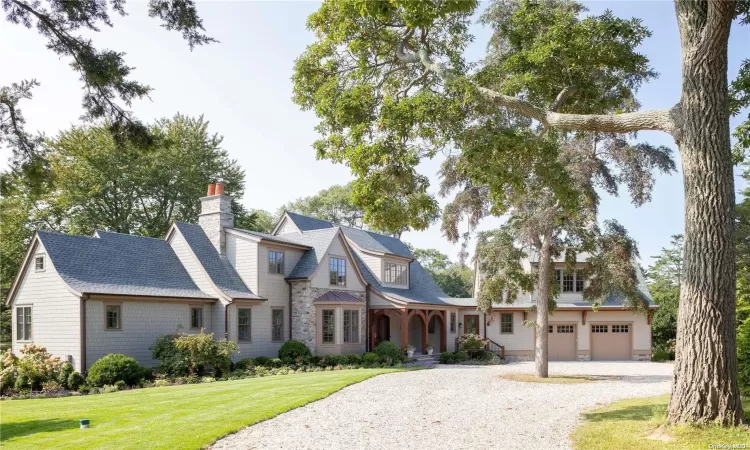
(491, 346)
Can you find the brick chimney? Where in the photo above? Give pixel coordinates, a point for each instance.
(216, 215)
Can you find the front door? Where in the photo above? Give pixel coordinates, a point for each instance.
(383, 330)
(471, 324)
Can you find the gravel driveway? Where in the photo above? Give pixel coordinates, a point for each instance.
(449, 407)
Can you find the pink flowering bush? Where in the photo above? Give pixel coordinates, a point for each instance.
(27, 372)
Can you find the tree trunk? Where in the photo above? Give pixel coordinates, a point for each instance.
(541, 361)
(705, 387)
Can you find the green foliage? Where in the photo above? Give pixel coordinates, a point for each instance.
(370, 359)
(456, 280)
(456, 357)
(447, 358)
(120, 385)
(354, 359)
(743, 356)
(75, 381)
(294, 349)
(739, 96)
(262, 361)
(172, 361)
(243, 364)
(92, 175)
(663, 278)
(104, 73)
(112, 368)
(389, 352)
(334, 360)
(206, 354)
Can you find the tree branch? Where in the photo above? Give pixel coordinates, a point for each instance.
(659, 119)
(562, 97)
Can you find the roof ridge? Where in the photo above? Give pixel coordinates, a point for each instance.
(128, 235)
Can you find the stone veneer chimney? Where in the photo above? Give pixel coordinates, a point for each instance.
(216, 215)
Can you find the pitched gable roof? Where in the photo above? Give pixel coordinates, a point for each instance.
(218, 267)
(319, 241)
(305, 223)
(119, 264)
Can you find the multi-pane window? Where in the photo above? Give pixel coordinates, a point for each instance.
(23, 323)
(277, 324)
(620, 328)
(275, 262)
(196, 317)
(569, 282)
(338, 271)
(243, 324)
(113, 317)
(39, 263)
(550, 328)
(599, 328)
(453, 322)
(351, 326)
(328, 326)
(396, 273)
(506, 323)
(565, 328)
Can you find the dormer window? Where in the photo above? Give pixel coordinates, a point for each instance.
(569, 282)
(395, 273)
(39, 264)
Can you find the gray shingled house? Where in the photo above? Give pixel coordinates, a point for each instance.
(340, 290)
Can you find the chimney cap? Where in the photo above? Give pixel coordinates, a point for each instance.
(219, 189)
(211, 190)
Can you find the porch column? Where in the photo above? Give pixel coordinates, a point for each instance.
(425, 339)
(404, 328)
(443, 333)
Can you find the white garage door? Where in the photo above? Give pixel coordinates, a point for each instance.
(611, 342)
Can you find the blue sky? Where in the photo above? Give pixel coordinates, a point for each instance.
(242, 86)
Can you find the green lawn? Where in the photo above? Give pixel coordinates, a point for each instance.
(186, 417)
(636, 424)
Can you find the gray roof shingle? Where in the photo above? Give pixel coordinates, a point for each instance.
(119, 264)
(218, 267)
(305, 223)
(338, 296)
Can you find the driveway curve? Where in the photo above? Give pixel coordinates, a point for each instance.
(454, 407)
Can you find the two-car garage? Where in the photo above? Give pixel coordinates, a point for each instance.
(608, 341)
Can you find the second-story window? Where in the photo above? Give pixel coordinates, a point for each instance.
(569, 282)
(395, 273)
(275, 262)
(338, 271)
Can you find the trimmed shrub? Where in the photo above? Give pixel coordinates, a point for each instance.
(354, 359)
(66, 369)
(120, 385)
(173, 361)
(75, 381)
(27, 372)
(276, 362)
(262, 361)
(294, 349)
(370, 359)
(243, 364)
(447, 358)
(206, 354)
(115, 367)
(334, 360)
(461, 356)
(389, 352)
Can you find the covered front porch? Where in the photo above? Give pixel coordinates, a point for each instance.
(402, 326)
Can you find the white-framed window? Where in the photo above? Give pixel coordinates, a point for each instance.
(39, 263)
(351, 326)
(275, 262)
(243, 324)
(506, 323)
(277, 324)
(565, 329)
(23, 323)
(599, 328)
(396, 273)
(196, 317)
(113, 317)
(569, 282)
(338, 271)
(453, 322)
(329, 327)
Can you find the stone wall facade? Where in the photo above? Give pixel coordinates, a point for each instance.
(303, 314)
(216, 215)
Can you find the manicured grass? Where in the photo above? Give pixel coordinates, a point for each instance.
(184, 417)
(639, 423)
(553, 379)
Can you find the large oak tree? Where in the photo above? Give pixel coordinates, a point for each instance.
(391, 86)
